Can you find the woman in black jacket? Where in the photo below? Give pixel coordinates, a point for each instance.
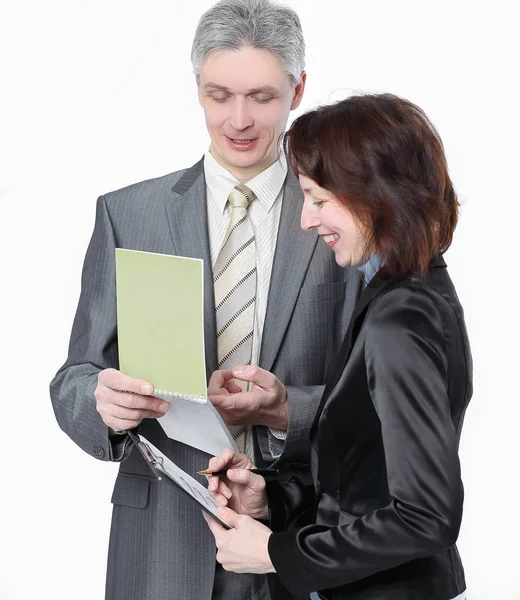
(383, 515)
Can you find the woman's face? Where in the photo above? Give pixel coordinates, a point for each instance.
(334, 223)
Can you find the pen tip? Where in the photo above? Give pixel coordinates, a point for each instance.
(205, 472)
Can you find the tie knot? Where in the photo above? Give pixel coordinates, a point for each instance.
(241, 196)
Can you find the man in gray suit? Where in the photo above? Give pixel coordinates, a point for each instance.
(248, 59)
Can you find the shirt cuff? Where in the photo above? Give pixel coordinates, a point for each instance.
(281, 434)
(118, 441)
(276, 444)
(116, 432)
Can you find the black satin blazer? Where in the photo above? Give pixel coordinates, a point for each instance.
(383, 515)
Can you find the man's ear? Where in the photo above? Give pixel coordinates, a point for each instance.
(298, 91)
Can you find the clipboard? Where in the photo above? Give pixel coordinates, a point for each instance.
(167, 471)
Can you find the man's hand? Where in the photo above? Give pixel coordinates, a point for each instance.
(242, 549)
(264, 404)
(240, 490)
(123, 402)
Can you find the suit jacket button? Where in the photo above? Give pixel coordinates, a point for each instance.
(99, 452)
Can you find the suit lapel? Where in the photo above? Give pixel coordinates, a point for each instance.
(374, 288)
(294, 249)
(188, 220)
(368, 294)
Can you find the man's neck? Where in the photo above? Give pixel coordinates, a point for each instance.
(244, 174)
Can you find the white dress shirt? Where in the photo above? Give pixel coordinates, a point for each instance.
(264, 214)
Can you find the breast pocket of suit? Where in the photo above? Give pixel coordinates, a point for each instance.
(131, 490)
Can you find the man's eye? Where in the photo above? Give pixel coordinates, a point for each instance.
(262, 99)
(219, 98)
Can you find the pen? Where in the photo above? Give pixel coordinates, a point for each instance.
(262, 472)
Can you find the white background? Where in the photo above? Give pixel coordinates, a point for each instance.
(96, 95)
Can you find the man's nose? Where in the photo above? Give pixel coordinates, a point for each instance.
(240, 117)
(308, 220)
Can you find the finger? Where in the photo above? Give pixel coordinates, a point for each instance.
(241, 461)
(239, 401)
(218, 485)
(217, 463)
(245, 477)
(122, 424)
(229, 516)
(232, 387)
(129, 414)
(213, 484)
(118, 381)
(214, 525)
(218, 379)
(218, 399)
(137, 401)
(219, 498)
(230, 459)
(255, 374)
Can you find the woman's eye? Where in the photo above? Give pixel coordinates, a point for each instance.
(318, 203)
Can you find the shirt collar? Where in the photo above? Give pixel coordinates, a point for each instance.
(370, 268)
(266, 185)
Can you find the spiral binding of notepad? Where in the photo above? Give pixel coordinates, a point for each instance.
(169, 394)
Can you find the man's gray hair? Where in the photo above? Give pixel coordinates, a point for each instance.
(235, 24)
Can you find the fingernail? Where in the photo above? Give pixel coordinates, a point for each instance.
(164, 407)
(146, 389)
(237, 372)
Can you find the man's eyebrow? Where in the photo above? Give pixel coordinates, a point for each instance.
(265, 89)
(216, 86)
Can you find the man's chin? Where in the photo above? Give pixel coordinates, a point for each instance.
(246, 160)
(253, 160)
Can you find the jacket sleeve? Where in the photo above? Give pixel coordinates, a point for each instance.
(406, 366)
(293, 445)
(291, 504)
(92, 348)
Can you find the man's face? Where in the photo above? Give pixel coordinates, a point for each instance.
(246, 97)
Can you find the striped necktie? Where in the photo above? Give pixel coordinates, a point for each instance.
(234, 281)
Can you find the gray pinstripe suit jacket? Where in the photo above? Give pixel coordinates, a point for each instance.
(160, 547)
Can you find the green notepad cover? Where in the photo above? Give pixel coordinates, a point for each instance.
(160, 324)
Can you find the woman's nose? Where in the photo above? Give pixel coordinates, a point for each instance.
(308, 221)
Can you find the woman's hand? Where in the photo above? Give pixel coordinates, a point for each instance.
(242, 549)
(240, 490)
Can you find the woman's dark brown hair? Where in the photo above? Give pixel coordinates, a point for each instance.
(380, 156)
